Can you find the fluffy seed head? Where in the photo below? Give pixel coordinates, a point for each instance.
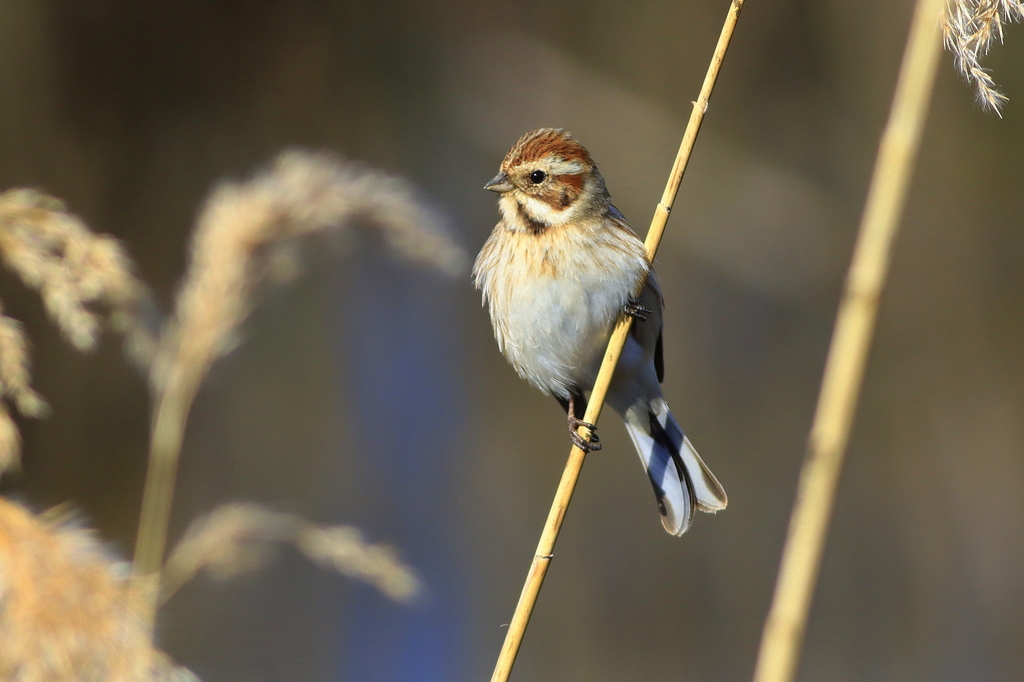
(84, 279)
(970, 27)
(238, 537)
(65, 608)
(74, 270)
(245, 225)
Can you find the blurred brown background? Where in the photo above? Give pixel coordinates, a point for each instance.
(370, 393)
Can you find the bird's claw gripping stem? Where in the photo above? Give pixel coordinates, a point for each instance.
(636, 311)
(589, 444)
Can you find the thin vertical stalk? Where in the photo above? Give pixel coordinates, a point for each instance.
(851, 340)
(567, 484)
(169, 417)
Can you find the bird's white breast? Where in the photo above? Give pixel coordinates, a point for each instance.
(554, 296)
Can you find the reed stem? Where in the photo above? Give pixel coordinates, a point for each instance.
(169, 418)
(844, 369)
(567, 484)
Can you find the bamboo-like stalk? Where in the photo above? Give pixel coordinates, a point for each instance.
(169, 416)
(847, 357)
(567, 484)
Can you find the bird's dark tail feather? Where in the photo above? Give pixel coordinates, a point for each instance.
(681, 480)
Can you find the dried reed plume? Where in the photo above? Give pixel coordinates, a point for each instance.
(243, 227)
(53, 252)
(237, 236)
(236, 538)
(970, 26)
(74, 271)
(15, 387)
(65, 611)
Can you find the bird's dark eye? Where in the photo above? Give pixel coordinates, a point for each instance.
(537, 177)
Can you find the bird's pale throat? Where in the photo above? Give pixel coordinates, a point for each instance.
(532, 225)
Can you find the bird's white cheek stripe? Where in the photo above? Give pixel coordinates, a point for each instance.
(545, 213)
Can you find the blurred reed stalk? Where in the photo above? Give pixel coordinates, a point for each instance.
(851, 339)
(247, 235)
(570, 475)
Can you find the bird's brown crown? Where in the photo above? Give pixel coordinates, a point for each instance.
(543, 142)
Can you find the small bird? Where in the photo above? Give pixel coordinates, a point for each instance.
(557, 271)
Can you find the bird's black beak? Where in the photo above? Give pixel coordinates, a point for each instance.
(499, 183)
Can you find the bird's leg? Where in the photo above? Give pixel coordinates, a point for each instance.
(635, 310)
(589, 444)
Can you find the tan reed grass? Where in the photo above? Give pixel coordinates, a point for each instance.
(970, 27)
(844, 368)
(239, 232)
(570, 475)
(73, 269)
(65, 610)
(81, 276)
(236, 538)
(10, 441)
(15, 386)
